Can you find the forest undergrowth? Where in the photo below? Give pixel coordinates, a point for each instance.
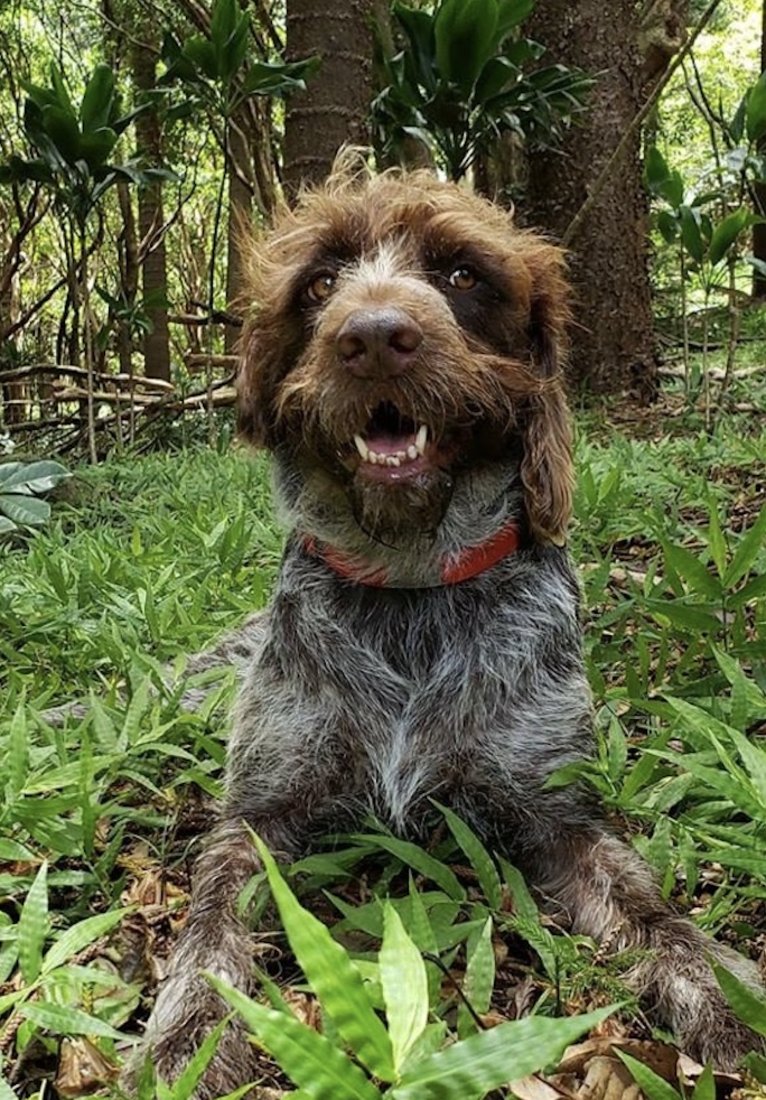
(150, 557)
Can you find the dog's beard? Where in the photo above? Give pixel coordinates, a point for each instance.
(402, 513)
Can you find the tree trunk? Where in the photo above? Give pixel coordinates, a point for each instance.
(13, 406)
(759, 193)
(613, 345)
(154, 280)
(333, 111)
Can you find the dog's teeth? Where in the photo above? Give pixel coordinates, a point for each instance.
(409, 455)
(421, 438)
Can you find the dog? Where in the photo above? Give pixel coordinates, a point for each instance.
(403, 364)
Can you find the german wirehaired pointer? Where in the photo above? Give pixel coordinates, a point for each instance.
(402, 364)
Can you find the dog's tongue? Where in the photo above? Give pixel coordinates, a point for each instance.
(385, 443)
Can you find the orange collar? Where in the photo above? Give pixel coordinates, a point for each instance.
(468, 563)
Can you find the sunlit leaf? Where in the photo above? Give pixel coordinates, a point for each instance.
(465, 33)
(656, 169)
(479, 978)
(79, 936)
(696, 575)
(183, 1088)
(18, 749)
(755, 110)
(23, 510)
(477, 854)
(97, 100)
(333, 977)
(420, 861)
(510, 14)
(705, 1088)
(750, 547)
(489, 1059)
(691, 235)
(523, 902)
(64, 1020)
(405, 987)
(726, 232)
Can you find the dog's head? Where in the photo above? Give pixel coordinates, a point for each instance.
(404, 334)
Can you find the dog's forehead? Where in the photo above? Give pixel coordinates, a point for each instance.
(436, 218)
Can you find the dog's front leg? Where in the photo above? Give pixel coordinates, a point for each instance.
(608, 892)
(215, 939)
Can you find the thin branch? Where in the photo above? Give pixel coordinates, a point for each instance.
(264, 17)
(576, 224)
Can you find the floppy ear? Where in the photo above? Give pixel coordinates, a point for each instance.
(271, 333)
(257, 377)
(547, 471)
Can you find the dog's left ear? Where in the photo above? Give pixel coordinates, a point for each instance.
(547, 471)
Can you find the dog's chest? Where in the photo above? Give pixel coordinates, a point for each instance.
(421, 694)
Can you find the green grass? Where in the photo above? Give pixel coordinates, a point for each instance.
(147, 559)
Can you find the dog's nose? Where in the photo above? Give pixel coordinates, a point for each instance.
(378, 343)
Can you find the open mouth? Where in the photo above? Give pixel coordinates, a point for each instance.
(392, 442)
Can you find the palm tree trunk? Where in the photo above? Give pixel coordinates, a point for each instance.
(333, 111)
(613, 343)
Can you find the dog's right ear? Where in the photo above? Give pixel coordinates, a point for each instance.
(269, 334)
(257, 378)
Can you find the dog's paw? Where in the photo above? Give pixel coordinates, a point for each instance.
(719, 1037)
(186, 1013)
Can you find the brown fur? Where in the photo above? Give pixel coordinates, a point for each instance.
(468, 379)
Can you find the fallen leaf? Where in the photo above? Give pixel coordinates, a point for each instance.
(82, 1068)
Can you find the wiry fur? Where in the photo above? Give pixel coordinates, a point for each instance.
(357, 698)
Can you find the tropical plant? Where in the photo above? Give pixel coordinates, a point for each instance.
(74, 145)
(20, 486)
(404, 1058)
(707, 221)
(60, 992)
(214, 68)
(217, 78)
(697, 778)
(460, 81)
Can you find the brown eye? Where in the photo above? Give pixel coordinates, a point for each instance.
(321, 287)
(462, 278)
